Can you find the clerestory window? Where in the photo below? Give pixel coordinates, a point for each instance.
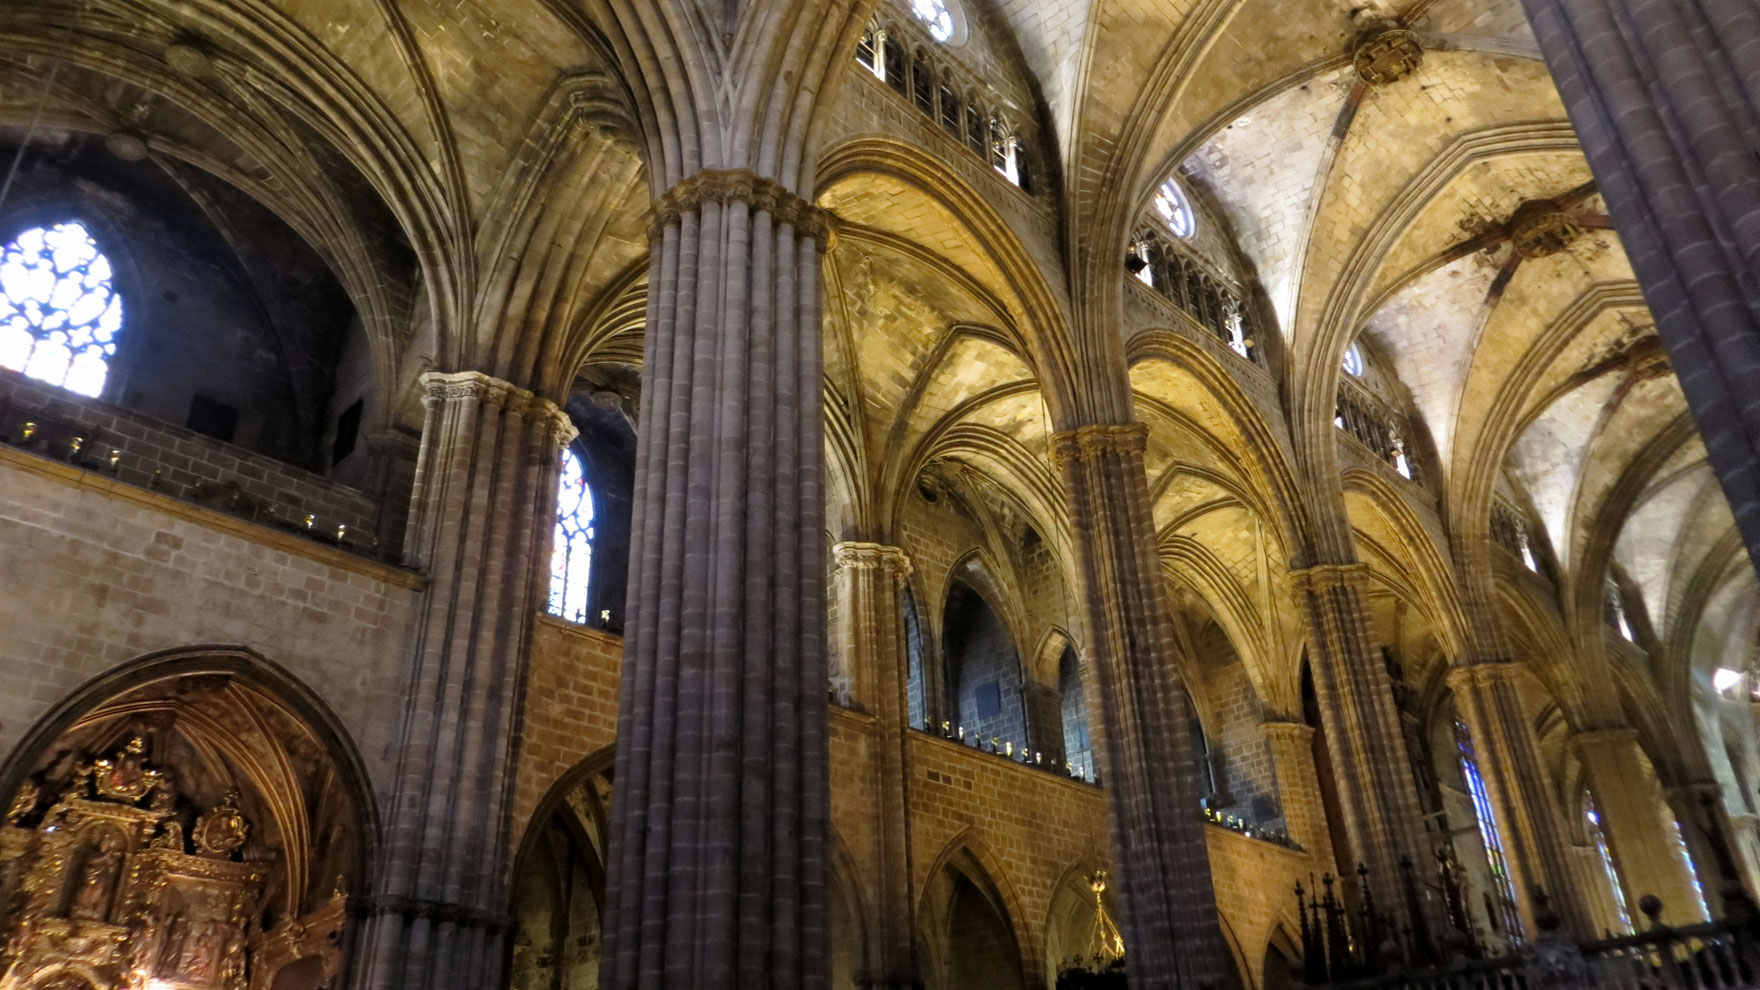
(59, 310)
(571, 552)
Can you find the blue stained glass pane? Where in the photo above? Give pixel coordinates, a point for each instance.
(571, 553)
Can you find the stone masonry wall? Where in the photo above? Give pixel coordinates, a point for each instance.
(99, 573)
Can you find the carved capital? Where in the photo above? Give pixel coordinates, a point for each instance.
(1482, 676)
(1299, 733)
(440, 388)
(868, 556)
(1086, 442)
(713, 185)
(1322, 578)
(1602, 740)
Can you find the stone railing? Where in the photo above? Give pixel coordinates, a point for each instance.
(185, 465)
(1713, 956)
(1021, 754)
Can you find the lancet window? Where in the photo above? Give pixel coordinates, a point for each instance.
(1510, 531)
(59, 310)
(1599, 838)
(1503, 896)
(571, 552)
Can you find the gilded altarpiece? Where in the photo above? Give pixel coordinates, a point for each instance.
(117, 883)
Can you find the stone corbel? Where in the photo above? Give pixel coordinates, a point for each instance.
(869, 556)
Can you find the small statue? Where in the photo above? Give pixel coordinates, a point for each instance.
(126, 776)
(23, 803)
(97, 879)
(170, 837)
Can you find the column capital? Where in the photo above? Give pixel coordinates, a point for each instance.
(739, 185)
(441, 387)
(1084, 442)
(871, 555)
(1595, 739)
(1326, 577)
(1479, 676)
(1275, 729)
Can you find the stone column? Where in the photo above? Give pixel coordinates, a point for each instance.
(718, 861)
(1171, 926)
(1634, 818)
(1298, 789)
(1665, 97)
(871, 583)
(1378, 793)
(481, 516)
(1535, 847)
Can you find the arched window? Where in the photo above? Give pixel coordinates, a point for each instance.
(936, 15)
(1599, 839)
(571, 553)
(59, 312)
(1505, 894)
(1353, 360)
(1175, 209)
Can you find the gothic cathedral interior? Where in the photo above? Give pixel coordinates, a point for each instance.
(879, 494)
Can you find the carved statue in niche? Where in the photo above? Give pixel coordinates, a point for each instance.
(100, 867)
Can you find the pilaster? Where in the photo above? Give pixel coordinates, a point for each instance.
(1171, 925)
(870, 585)
(1536, 850)
(481, 515)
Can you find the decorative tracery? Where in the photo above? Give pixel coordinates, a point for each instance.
(59, 311)
(1175, 209)
(571, 554)
(935, 15)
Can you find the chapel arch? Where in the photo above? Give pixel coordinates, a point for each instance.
(558, 891)
(967, 919)
(203, 804)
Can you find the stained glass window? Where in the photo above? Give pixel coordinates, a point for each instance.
(59, 312)
(1680, 842)
(1171, 203)
(1599, 837)
(571, 552)
(935, 14)
(1505, 892)
(1353, 360)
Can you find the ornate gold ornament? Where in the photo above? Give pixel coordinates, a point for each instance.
(1540, 227)
(1387, 55)
(23, 803)
(222, 831)
(126, 775)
